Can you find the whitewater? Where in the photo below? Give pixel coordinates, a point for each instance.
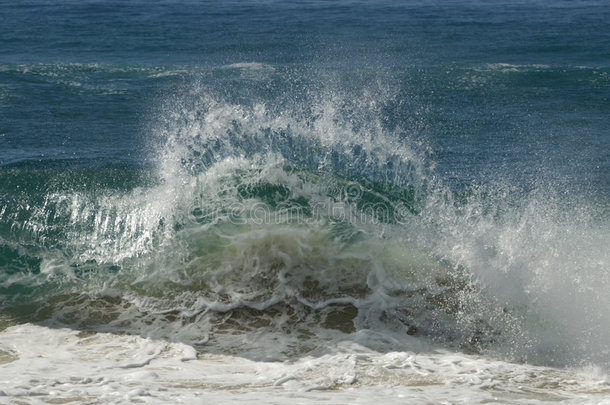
(280, 258)
(327, 204)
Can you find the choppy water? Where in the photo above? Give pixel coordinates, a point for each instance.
(273, 203)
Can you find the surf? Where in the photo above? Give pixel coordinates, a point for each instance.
(303, 219)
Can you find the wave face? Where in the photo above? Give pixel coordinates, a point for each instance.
(281, 209)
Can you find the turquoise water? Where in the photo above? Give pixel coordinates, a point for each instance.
(193, 171)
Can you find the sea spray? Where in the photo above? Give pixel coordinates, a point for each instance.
(304, 220)
(279, 202)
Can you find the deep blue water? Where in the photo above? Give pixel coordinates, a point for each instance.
(497, 109)
(508, 88)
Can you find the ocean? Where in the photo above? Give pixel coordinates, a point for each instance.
(343, 202)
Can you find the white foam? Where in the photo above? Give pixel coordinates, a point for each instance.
(249, 66)
(63, 365)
